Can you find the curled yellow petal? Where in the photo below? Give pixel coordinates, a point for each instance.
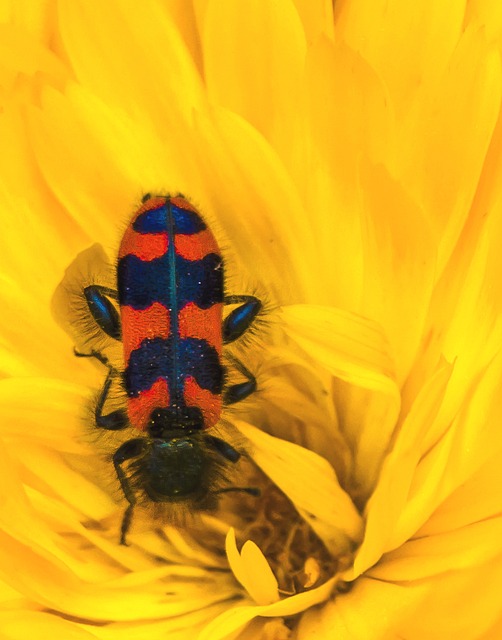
(252, 570)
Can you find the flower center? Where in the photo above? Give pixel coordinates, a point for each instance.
(297, 556)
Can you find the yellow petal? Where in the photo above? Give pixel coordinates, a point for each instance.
(36, 624)
(28, 406)
(347, 103)
(470, 546)
(252, 570)
(235, 619)
(311, 484)
(316, 17)
(259, 209)
(486, 15)
(155, 54)
(474, 500)
(353, 348)
(441, 607)
(273, 71)
(457, 454)
(400, 264)
(495, 632)
(391, 493)
(419, 59)
(453, 153)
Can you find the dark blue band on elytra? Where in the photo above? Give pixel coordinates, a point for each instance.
(186, 222)
(141, 283)
(153, 221)
(174, 360)
(157, 221)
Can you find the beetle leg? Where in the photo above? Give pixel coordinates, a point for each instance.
(237, 392)
(115, 420)
(128, 450)
(103, 311)
(93, 354)
(222, 447)
(240, 319)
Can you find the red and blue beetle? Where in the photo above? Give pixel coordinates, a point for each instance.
(170, 291)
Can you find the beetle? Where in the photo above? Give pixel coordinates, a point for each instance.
(170, 295)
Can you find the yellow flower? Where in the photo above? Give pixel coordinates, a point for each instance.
(350, 159)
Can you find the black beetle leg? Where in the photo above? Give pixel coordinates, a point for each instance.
(222, 447)
(240, 319)
(237, 392)
(103, 311)
(93, 354)
(115, 420)
(128, 450)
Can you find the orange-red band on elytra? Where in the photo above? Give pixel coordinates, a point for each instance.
(140, 408)
(196, 246)
(204, 324)
(138, 324)
(146, 246)
(208, 403)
